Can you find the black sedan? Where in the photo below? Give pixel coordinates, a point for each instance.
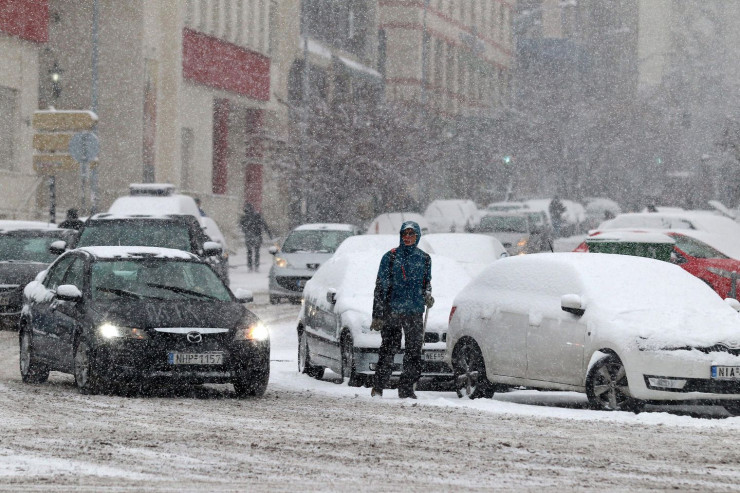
(120, 317)
(24, 252)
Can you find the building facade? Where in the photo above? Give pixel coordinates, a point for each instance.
(23, 36)
(450, 56)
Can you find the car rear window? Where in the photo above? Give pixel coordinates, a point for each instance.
(31, 248)
(309, 240)
(164, 234)
(696, 248)
(515, 224)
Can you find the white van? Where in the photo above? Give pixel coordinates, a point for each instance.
(154, 198)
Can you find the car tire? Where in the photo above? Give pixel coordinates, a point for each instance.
(88, 377)
(252, 381)
(348, 363)
(607, 388)
(470, 371)
(304, 358)
(32, 371)
(274, 300)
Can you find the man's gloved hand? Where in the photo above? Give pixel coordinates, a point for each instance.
(376, 324)
(428, 299)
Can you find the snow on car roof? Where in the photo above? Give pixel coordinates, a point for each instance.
(110, 252)
(11, 225)
(463, 247)
(631, 237)
(144, 204)
(325, 226)
(112, 217)
(390, 222)
(655, 301)
(362, 243)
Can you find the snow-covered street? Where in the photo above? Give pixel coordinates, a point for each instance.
(318, 435)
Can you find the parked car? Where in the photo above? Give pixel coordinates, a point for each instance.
(125, 316)
(574, 217)
(474, 252)
(365, 243)
(505, 206)
(517, 232)
(334, 321)
(390, 223)
(451, 216)
(624, 330)
(182, 232)
(725, 231)
(303, 251)
(696, 257)
(24, 252)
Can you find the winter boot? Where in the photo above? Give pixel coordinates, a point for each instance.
(376, 392)
(406, 393)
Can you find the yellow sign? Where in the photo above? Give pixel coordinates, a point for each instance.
(51, 164)
(57, 142)
(64, 120)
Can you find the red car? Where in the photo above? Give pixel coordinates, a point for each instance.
(713, 267)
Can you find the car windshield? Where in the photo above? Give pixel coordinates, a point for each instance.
(311, 240)
(162, 279)
(29, 247)
(696, 248)
(515, 224)
(165, 234)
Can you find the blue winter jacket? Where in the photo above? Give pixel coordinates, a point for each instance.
(411, 276)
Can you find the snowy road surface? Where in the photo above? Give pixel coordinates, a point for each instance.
(317, 435)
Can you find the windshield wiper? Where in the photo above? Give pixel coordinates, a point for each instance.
(178, 289)
(119, 292)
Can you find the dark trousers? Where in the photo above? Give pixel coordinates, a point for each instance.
(253, 252)
(412, 328)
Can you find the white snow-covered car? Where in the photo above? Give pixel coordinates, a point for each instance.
(474, 252)
(365, 243)
(625, 330)
(303, 251)
(390, 223)
(334, 321)
(451, 216)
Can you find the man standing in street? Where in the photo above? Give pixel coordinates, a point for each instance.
(402, 290)
(252, 224)
(72, 221)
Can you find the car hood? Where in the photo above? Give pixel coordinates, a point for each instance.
(302, 260)
(674, 327)
(186, 313)
(19, 272)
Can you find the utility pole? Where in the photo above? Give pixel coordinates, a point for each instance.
(94, 172)
(304, 130)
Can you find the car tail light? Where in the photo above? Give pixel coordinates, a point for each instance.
(452, 312)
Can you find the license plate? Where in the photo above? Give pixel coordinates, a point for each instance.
(195, 358)
(726, 372)
(433, 355)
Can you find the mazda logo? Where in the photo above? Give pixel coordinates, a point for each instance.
(194, 337)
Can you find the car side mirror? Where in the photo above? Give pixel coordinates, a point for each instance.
(69, 292)
(331, 296)
(211, 249)
(57, 247)
(244, 295)
(273, 249)
(572, 303)
(733, 303)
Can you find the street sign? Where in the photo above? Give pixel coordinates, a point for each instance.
(56, 142)
(50, 164)
(84, 147)
(64, 120)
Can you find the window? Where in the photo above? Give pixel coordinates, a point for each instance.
(8, 124)
(75, 274)
(56, 274)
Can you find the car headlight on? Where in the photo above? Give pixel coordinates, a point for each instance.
(522, 243)
(255, 331)
(281, 262)
(111, 331)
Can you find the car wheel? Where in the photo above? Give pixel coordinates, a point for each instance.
(252, 382)
(274, 300)
(88, 377)
(304, 359)
(348, 363)
(470, 371)
(32, 371)
(607, 388)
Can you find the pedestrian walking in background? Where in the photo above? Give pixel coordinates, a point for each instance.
(557, 209)
(252, 224)
(403, 289)
(72, 221)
